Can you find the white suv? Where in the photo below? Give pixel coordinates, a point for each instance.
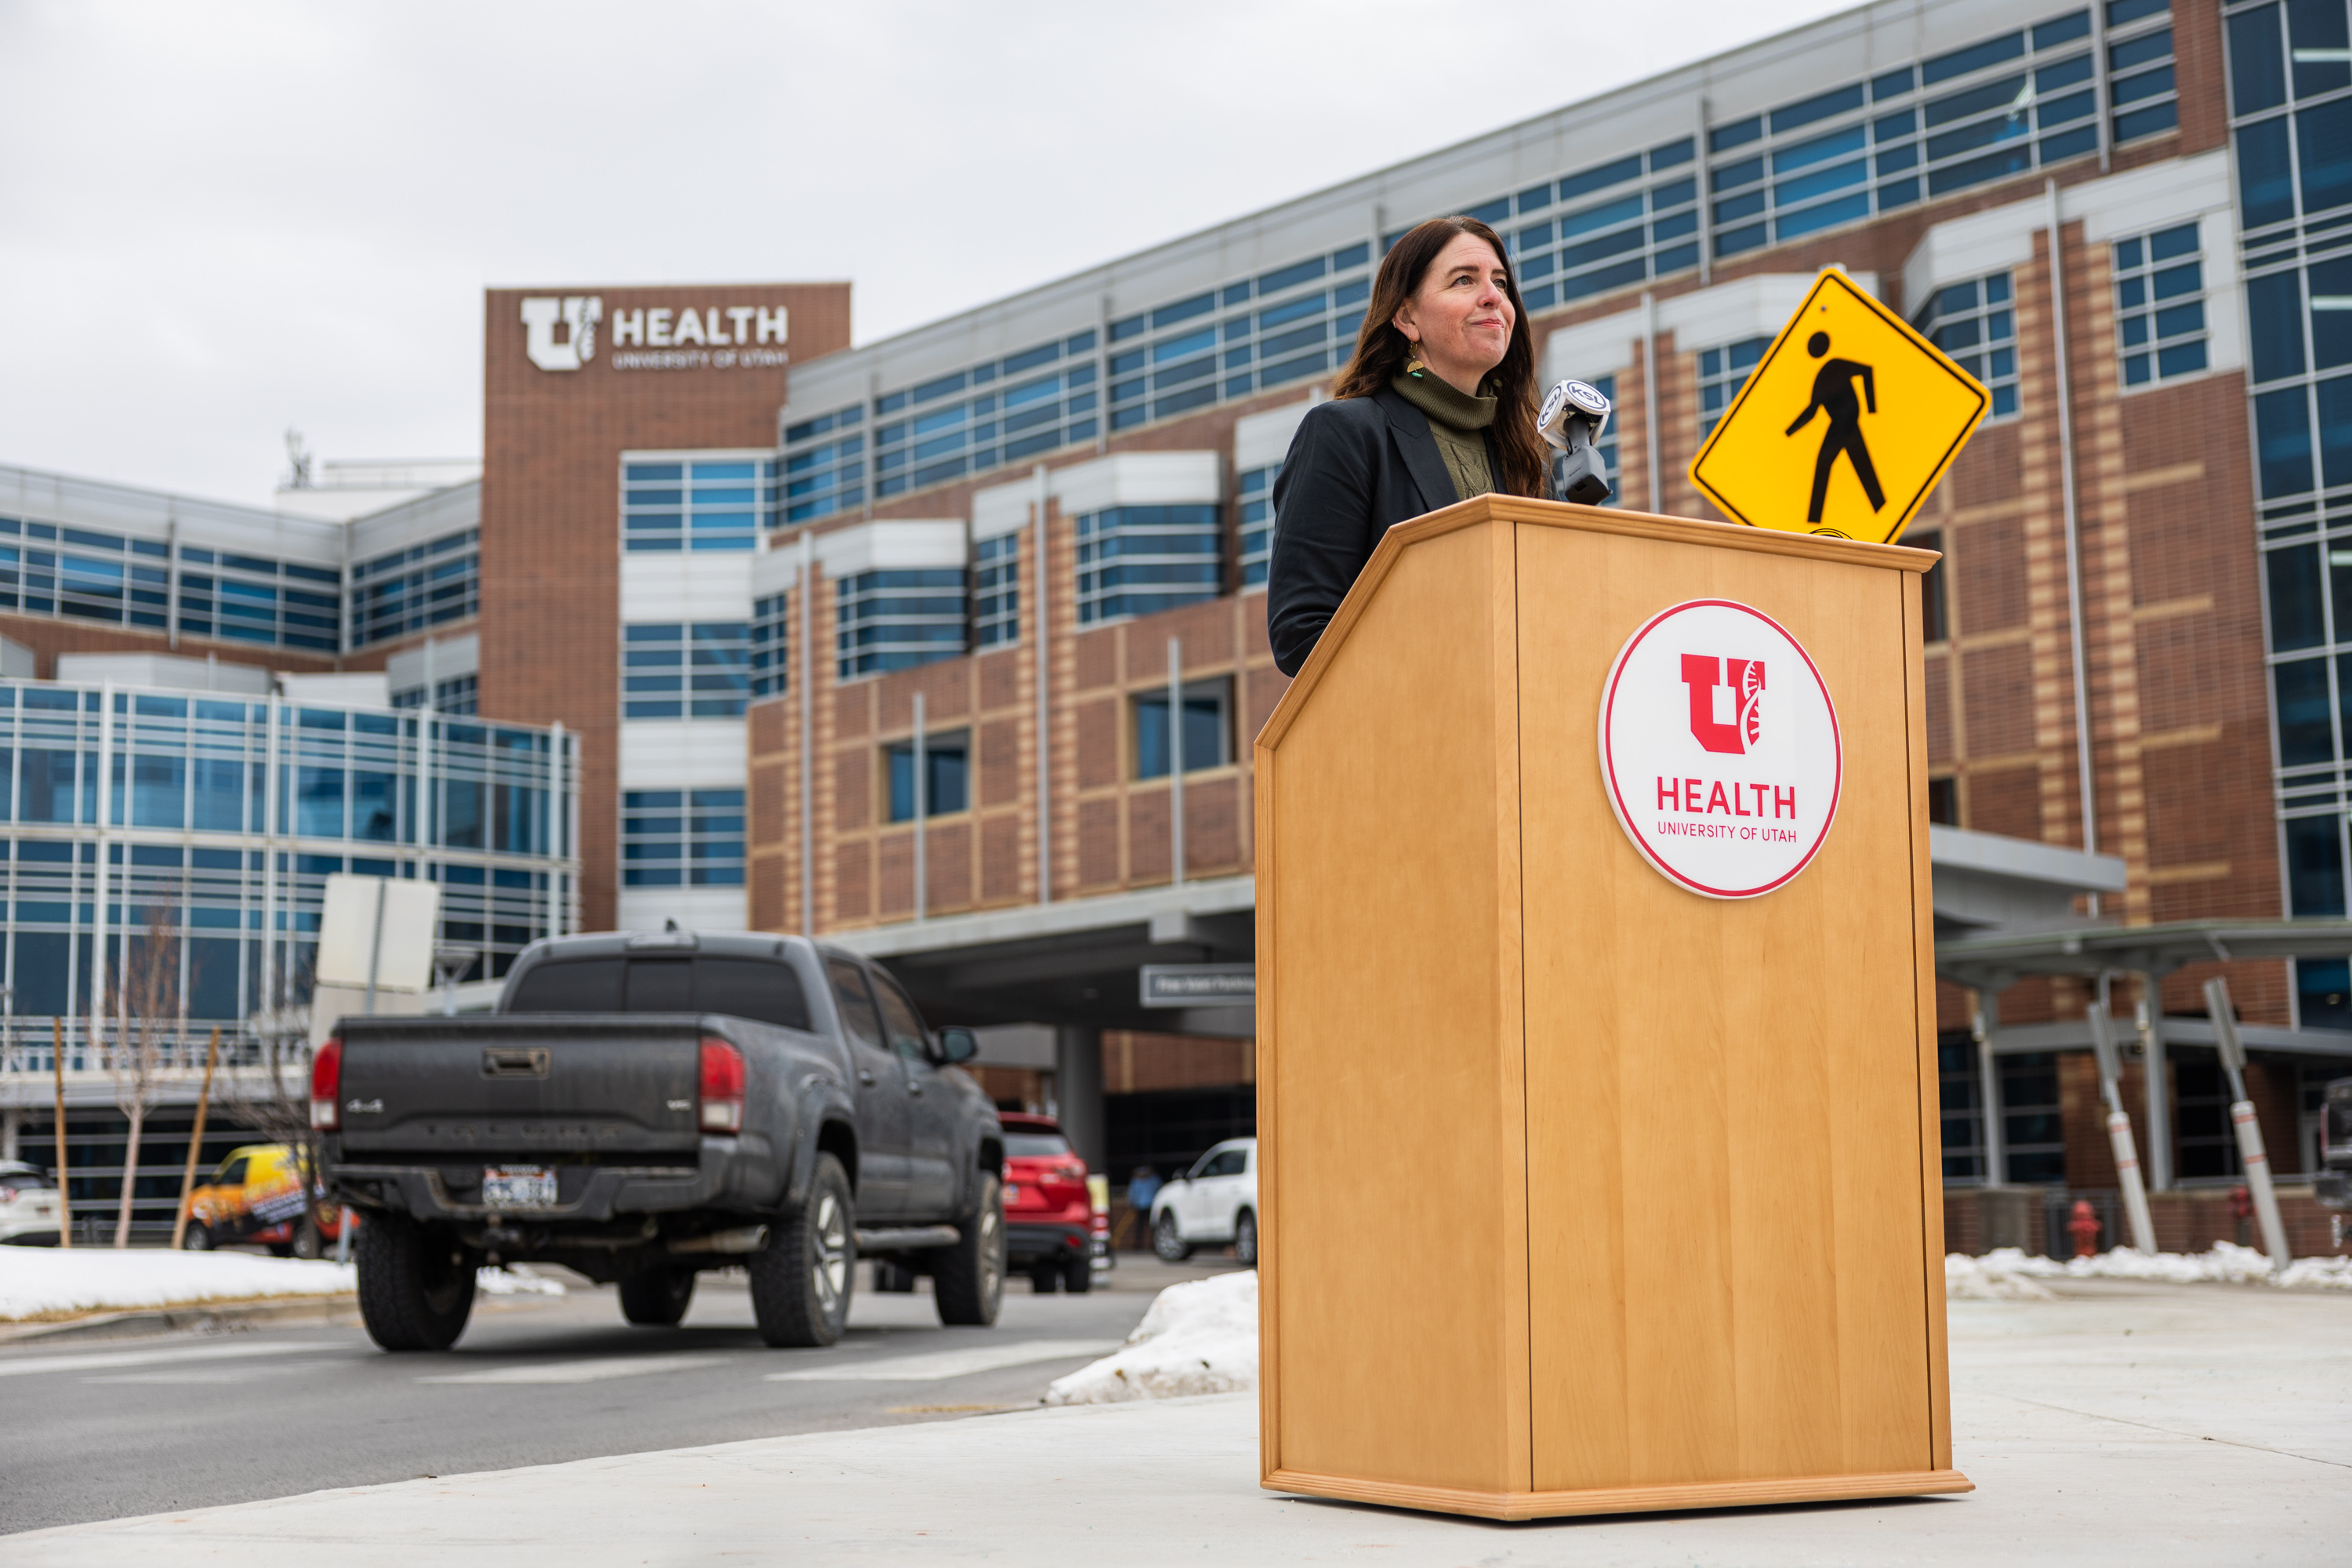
(1213, 1204)
(28, 1205)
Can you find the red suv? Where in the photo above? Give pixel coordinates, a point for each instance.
(1048, 1213)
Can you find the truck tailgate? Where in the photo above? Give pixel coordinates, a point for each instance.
(590, 1083)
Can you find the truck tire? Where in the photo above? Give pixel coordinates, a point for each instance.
(198, 1239)
(1078, 1274)
(1044, 1278)
(416, 1285)
(1167, 1241)
(801, 1279)
(968, 1279)
(656, 1298)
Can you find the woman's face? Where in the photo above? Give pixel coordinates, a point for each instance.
(1460, 319)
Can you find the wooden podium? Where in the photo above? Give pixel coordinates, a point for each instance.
(1584, 1192)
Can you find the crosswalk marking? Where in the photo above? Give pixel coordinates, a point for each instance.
(601, 1370)
(107, 1360)
(950, 1364)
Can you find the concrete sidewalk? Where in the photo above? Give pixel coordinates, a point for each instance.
(2153, 1425)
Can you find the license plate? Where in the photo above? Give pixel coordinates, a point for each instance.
(1012, 1194)
(518, 1187)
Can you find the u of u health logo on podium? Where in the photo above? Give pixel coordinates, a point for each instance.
(1720, 748)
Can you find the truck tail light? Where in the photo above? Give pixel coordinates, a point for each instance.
(722, 1086)
(326, 1084)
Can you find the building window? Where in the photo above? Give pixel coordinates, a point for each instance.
(1255, 490)
(1934, 624)
(1957, 1090)
(1140, 560)
(682, 839)
(1721, 373)
(88, 575)
(2159, 305)
(1253, 334)
(1606, 446)
(696, 670)
(946, 775)
(1612, 227)
(1975, 324)
(2323, 993)
(886, 620)
(2140, 68)
(1944, 802)
(2033, 1133)
(996, 590)
(1207, 733)
(1963, 118)
(458, 695)
(825, 465)
(408, 590)
(983, 417)
(769, 645)
(2206, 1144)
(717, 503)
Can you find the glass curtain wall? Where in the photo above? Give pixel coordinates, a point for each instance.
(145, 826)
(2290, 70)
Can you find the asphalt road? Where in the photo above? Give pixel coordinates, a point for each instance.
(95, 1429)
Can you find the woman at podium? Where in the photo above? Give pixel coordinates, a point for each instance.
(1437, 405)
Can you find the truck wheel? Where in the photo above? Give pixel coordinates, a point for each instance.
(416, 1285)
(893, 1278)
(656, 1298)
(968, 1279)
(1078, 1274)
(198, 1239)
(1166, 1240)
(800, 1280)
(1045, 1279)
(1245, 1238)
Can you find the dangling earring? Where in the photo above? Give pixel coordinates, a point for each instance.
(1412, 365)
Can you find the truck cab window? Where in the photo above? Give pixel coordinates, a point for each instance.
(661, 986)
(906, 1024)
(858, 1015)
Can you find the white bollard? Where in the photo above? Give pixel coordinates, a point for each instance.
(2251, 1154)
(2119, 1138)
(2257, 1162)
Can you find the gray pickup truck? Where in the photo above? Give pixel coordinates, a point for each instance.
(643, 1107)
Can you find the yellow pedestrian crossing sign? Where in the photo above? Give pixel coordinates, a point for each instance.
(1846, 425)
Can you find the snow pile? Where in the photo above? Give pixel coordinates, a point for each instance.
(2007, 1274)
(1199, 1338)
(60, 1282)
(515, 1279)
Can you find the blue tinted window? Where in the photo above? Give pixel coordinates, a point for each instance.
(1608, 175)
(2296, 619)
(1298, 273)
(2257, 71)
(2274, 324)
(2265, 174)
(2324, 135)
(1817, 108)
(1737, 134)
(2062, 30)
(2315, 867)
(2306, 734)
(1960, 62)
(2283, 442)
(1892, 84)
(1183, 309)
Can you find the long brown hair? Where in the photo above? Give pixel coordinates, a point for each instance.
(1382, 351)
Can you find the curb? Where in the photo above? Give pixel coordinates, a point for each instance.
(179, 1320)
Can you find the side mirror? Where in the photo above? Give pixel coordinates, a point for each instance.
(958, 1044)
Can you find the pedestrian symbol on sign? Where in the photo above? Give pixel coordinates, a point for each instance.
(1833, 396)
(1846, 425)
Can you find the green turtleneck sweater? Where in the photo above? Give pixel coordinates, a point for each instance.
(1459, 422)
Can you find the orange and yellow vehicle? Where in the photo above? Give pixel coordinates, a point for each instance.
(254, 1198)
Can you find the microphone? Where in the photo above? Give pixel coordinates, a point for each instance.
(1574, 415)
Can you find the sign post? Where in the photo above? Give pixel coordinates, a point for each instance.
(1844, 425)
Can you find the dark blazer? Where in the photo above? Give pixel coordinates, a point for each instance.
(1358, 466)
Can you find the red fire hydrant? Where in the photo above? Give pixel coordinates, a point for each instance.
(2085, 1228)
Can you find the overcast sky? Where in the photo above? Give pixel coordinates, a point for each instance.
(219, 219)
